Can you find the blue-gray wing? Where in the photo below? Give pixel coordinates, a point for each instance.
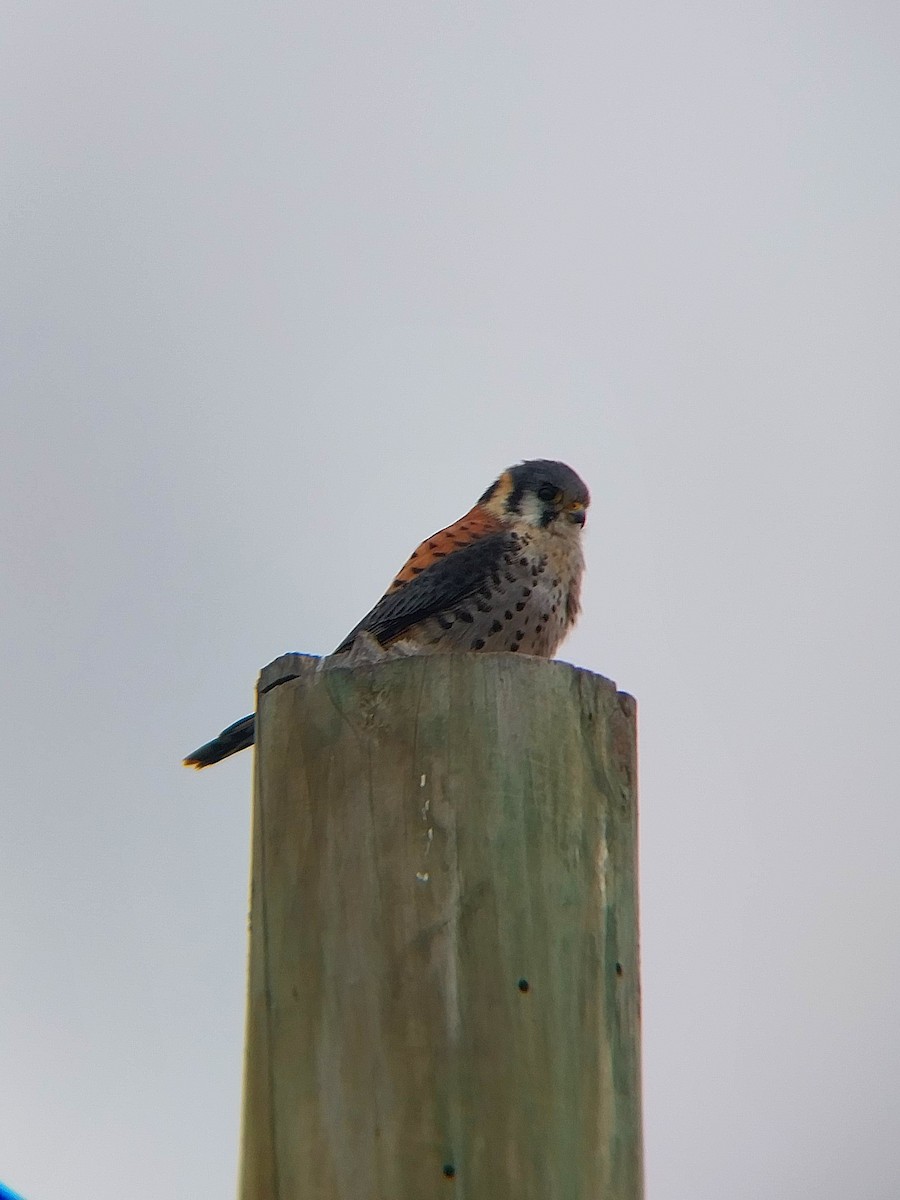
(439, 587)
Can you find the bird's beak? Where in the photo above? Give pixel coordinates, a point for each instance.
(577, 514)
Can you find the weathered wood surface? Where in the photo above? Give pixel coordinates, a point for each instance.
(444, 991)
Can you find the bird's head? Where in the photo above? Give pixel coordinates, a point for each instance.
(542, 493)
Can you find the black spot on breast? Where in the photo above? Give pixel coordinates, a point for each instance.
(445, 622)
(514, 647)
(478, 643)
(523, 562)
(538, 628)
(520, 633)
(508, 615)
(520, 605)
(526, 591)
(496, 627)
(462, 615)
(495, 578)
(483, 606)
(509, 577)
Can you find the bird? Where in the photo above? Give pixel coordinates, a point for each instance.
(505, 577)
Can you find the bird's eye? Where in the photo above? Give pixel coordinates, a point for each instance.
(548, 492)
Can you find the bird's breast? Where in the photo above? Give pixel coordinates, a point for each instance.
(525, 605)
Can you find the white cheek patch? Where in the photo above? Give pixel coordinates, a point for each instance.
(531, 509)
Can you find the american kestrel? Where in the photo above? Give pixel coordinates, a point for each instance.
(504, 577)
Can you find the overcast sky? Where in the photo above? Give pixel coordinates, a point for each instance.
(284, 287)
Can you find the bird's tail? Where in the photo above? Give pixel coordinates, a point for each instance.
(236, 737)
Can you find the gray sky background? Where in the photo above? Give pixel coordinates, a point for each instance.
(284, 287)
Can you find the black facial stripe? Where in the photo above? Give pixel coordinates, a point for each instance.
(514, 499)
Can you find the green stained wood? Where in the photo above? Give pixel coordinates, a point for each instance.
(444, 991)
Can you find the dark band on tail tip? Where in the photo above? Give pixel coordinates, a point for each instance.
(236, 737)
(239, 736)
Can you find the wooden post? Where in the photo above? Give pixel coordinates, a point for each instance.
(444, 992)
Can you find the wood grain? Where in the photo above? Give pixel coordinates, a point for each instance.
(444, 992)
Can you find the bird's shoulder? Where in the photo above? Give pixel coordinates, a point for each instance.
(442, 572)
(474, 525)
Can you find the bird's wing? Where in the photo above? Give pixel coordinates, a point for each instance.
(444, 583)
(475, 525)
